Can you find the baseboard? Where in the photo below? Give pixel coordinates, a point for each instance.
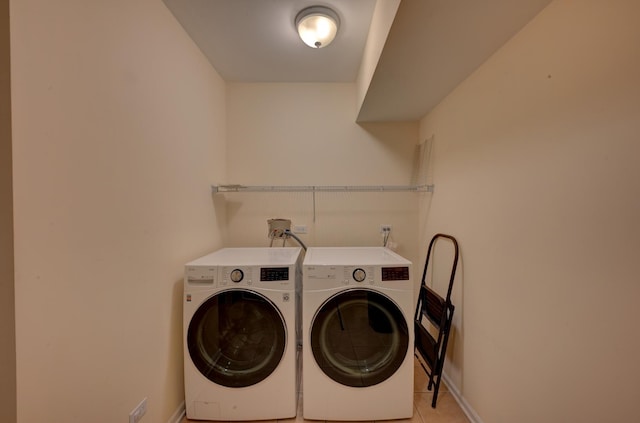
(460, 399)
(179, 414)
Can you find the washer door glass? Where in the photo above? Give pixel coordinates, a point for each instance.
(236, 338)
(359, 338)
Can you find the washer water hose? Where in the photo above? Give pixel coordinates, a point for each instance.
(288, 233)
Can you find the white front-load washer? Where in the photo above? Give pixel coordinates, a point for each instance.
(241, 334)
(357, 327)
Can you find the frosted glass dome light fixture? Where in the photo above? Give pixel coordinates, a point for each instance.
(317, 26)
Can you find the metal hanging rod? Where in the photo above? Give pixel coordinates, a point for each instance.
(321, 188)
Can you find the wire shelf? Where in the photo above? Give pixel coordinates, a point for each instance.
(320, 188)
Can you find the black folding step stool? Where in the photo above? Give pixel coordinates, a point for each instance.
(439, 313)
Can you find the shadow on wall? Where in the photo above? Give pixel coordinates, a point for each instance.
(176, 339)
(221, 208)
(390, 133)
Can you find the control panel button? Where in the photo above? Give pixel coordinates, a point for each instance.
(236, 275)
(359, 275)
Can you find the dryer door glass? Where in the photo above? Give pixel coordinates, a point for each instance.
(236, 338)
(359, 338)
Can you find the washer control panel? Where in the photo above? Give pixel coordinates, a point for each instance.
(357, 275)
(265, 276)
(395, 273)
(236, 275)
(232, 275)
(200, 276)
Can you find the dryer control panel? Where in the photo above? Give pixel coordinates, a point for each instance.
(333, 276)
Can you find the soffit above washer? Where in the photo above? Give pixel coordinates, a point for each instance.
(433, 46)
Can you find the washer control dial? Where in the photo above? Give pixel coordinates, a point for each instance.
(236, 275)
(359, 275)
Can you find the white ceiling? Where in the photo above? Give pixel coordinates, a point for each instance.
(256, 40)
(432, 46)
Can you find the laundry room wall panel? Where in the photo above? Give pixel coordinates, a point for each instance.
(540, 187)
(119, 129)
(246, 215)
(306, 134)
(338, 218)
(7, 304)
(307, 131)
(364, 212)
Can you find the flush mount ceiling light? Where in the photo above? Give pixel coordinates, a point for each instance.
(317, 26)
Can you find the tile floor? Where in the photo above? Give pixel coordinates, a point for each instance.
(447, 410)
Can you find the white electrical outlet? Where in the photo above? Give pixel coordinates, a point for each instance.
(136, 414)
(385, 228)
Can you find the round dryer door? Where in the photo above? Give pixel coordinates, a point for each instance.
(359, 338)
(236, 338)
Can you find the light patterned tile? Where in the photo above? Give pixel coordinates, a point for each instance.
(447, 409)
(421, 379)
(414, 419)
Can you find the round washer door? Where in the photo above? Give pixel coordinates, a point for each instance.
(237, 338)
(359, 338)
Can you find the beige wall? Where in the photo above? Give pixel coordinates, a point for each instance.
(535, 166)
(7, 309)
(119, 129)
(120, 125)
(305, 134)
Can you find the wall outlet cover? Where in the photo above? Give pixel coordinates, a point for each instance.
(299, 229)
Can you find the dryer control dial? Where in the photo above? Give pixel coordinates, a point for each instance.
(359, 275)
(236, 275)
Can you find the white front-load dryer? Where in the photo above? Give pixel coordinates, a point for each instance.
(357, 327)
(241, 334)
